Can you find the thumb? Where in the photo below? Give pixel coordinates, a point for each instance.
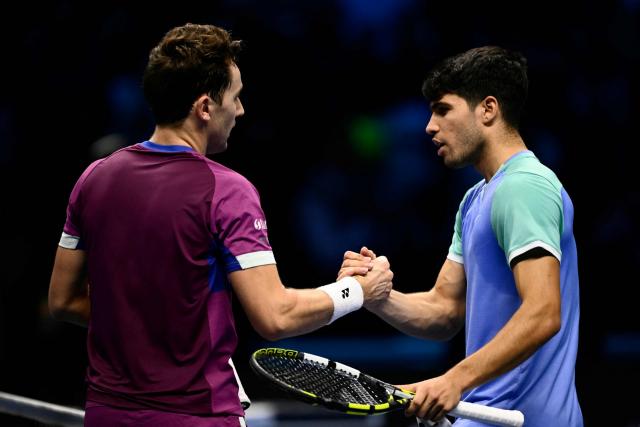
(407, 387)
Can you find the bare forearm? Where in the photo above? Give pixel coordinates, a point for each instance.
(419, 314)
(525, 332)
(276, 312)
(300, 311)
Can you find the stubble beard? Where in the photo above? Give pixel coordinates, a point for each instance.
(469, 151)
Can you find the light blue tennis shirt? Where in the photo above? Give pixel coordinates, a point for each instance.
(521, 208)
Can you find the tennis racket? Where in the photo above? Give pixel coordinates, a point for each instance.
(319, 381)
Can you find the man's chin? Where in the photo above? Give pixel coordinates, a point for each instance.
(455, 163)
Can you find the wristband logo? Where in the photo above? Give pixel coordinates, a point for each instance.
(345, 293)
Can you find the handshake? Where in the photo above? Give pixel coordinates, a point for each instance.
(373, 273)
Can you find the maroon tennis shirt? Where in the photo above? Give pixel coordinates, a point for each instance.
(162, 226)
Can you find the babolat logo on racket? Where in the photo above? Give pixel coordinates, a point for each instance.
(345, 293)
(282, 352)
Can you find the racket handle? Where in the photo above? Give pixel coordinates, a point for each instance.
(487, 414)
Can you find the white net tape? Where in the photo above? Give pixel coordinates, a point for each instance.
(43, 412)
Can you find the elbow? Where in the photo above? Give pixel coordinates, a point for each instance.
(57, 309)
(56, 305)
(270, 334)
(549, 324)
(76, 311)
(552, 325)
(58, 302)
(60, 308)
(452, 322)
(444, 329)
(446, 332)
(69, 304)
(444, 335)
(271, 330)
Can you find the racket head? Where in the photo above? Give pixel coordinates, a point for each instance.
(320, 381)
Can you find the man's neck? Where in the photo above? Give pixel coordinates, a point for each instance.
(165, 135)
(497, 151)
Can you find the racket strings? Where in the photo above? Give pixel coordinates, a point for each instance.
(324, 382)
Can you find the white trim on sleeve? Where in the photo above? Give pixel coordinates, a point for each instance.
(255, 259)
(68, 241)
(455, 258)
(532, 245)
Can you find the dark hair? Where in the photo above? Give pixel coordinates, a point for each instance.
(481, 72)
(189, 61)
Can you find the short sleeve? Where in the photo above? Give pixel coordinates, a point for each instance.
(239, 222)
(526, 213)
(72, 231)
(455, 249)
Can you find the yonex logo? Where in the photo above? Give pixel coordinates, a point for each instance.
(260, 224)
(345, 293)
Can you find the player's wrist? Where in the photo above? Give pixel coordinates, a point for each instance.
(346, 294)
(461, 377)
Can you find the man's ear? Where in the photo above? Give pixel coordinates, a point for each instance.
(489, 110)
(203, 107)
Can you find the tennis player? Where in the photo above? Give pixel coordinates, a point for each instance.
(511, 276)
(157, 236)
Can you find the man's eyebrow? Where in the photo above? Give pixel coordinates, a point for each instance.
(439, 104)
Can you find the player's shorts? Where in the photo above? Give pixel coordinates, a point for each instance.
(98, 415)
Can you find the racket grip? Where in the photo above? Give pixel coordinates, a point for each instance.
(487, 414)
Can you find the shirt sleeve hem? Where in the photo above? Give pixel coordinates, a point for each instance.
(256, 259)
(68, 241)
(455, 258)
(537, 244)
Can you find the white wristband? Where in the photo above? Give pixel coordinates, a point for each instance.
(346, 294)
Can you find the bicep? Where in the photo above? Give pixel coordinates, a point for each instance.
(257, 285)
(258, 289)
(450, 289)
(449, 294)
(538, 281)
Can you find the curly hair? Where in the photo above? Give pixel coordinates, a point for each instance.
(189, 61)
(481, 72)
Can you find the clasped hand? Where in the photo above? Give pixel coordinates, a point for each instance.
(374, 274)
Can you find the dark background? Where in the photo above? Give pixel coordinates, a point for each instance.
(333, 138)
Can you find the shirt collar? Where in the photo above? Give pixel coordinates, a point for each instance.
(166, 148)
